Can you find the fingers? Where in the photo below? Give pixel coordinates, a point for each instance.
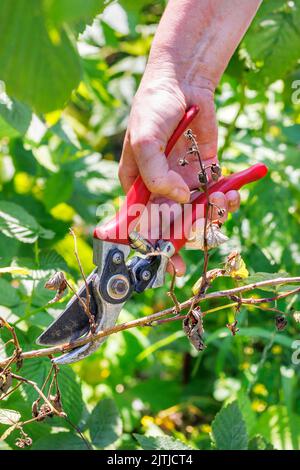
(219, 207)
(155, 171)
(128, 169)
(228, 202)
(145, 156)
(233, 200)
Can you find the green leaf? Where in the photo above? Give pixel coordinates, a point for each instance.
(160, 443)
(229, 429)
(15, 222)
(273, 41)
(16, 114)
(9, 417)
(60, 441)
(8, 295)
(69, 385)
(23, 159)
(105, 423)
(280, 428)
(258, 442)
(14, 270)
(59, 188)
(248, 414)
(260, 277)
(72, 11)
(39, 64)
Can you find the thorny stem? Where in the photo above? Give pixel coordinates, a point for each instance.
(18, 349)
(38, 390)
(150, 319)
(88, 445)
(203, 286)
(171, 292)
(12, 390)
(87, 304)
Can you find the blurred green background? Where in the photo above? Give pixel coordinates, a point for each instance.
(65, 95)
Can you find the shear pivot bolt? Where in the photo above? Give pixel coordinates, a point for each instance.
(118, 287)
(117, 258)
(146, 275)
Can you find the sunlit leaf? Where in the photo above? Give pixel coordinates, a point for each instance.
(105, 423)
(59, 188)
(15, 222)
(229, 429)
(14, 270)
(9, 416)
(160, 443)
(273, 42)
(45, 77)
(60, 441)
(8, 295)
(15, 113)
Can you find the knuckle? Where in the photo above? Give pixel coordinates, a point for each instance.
(142, 143)
(155, 185)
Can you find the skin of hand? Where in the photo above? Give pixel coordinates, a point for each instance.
(191, 49)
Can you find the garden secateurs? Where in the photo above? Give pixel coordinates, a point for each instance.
(115, 278)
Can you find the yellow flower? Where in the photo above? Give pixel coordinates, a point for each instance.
(166, 423)
(245, 365)
(235, 266)
(259, 406)
(23, 183)
(276, 349)
(260, 389)
(206, 428)
(104, 373)
(146, 421)
(274, 131)
(63, 212)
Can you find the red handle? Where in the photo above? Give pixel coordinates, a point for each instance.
(117, 229)
(179, 233)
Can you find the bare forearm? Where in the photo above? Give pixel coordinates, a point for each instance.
(198, 37)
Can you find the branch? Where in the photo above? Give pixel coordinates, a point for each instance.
(151, 319)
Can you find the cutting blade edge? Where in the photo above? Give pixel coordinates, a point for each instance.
(73, 322)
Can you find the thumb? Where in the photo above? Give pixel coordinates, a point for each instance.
(154, 169)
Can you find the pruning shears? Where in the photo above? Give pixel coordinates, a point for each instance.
(115, 278)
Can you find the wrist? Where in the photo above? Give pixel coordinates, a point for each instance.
(184, 71)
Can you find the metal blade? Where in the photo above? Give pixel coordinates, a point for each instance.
(106, 319)
(73, 322)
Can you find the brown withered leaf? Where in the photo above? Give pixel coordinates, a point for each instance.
(280, 322)
(193, 328)
(57, 282)
(233, 327)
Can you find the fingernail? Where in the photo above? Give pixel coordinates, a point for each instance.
(180, 195)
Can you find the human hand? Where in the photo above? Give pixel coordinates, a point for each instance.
(158, 107)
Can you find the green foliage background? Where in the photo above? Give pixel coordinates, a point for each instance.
(64, 100)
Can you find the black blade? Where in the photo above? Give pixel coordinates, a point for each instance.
(73, 321)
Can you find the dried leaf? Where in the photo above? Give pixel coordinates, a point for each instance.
(57, 282)
(214, 237)
(280, 322)
(233, 327)
(210, 276)
(5, 382)
(193, 328)
(235, 266)
(9, 417)
(8, 432)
